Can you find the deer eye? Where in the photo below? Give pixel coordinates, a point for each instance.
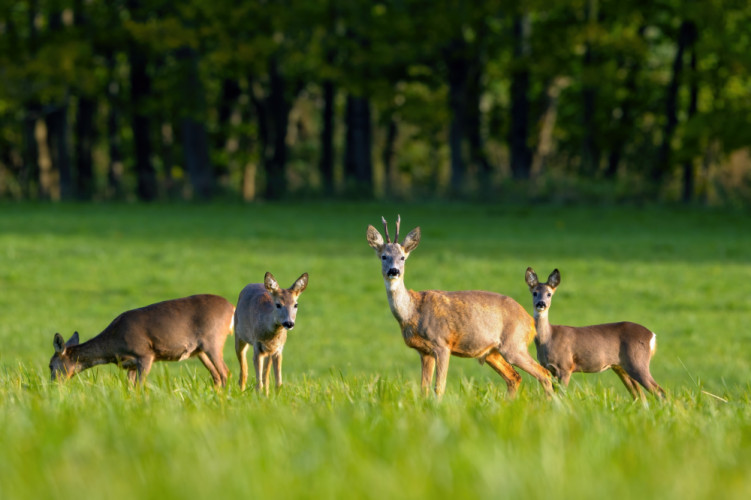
(550, 294)
(278, 306)
(383, 257)
(295, 306)
(534, 294)
(402, 258)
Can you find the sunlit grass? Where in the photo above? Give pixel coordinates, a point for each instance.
(350, 420)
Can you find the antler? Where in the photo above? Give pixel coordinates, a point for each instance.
(398, 220)
(386, 230)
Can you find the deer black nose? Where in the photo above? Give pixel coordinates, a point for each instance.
(540, 305)
(288, 325)
(393, 272)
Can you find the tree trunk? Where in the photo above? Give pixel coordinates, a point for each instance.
(358, 163)
(194, 136)
(458, 69)
(273, 118)
(140, 89)
(57, 126)
(688, 164)
(85, 133)
(85, 137)
(474, 128)
(625, 123)
(115, 165)
(388, 155)
(590, 159)
(520, 152)
(57, 141)
(326, 164)
(686, 37)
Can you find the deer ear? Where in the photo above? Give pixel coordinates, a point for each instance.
(270, 283)
(375, 240)
(554, 279)
(412, 240)
(301, 284)
(73, 340)
(531, 278)
(59, 343)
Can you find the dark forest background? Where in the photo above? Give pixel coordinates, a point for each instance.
(201, 99)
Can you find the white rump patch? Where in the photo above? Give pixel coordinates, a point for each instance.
(653, 343)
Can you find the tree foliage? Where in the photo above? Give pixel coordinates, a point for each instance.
(153, 99)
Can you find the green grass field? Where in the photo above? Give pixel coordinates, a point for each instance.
(350, 421)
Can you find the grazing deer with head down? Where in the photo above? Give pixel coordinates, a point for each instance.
(265, 313)
(487, 326)
(172, 330)
(625, 347)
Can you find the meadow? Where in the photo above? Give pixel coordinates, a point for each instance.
(350, 420)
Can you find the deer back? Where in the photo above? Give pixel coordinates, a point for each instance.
(596, 347)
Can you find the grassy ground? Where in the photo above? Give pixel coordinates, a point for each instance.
(350, 421)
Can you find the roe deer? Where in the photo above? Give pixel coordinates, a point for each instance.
(487, 326)
(265, 313)
(625, 347)
(172, 330)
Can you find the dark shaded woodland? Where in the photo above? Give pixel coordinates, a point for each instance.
(148, 100)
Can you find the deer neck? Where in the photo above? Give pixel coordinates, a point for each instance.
(543, 326)
(87, 355)
(400, 300)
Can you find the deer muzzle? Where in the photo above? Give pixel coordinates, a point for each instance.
(393, 273)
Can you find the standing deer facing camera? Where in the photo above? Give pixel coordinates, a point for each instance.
(486, 326)
(172, 330)
(625, 347)
(265, 313)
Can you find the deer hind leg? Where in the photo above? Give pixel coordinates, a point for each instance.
(506, 371)
(216, 357)
(428, 367)
(630, 383)
(645, 379)
(241, 349)
(207, 362)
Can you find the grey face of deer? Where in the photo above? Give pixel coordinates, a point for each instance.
(285, 300)
(61, 366)
(542, 293)
(392, 255)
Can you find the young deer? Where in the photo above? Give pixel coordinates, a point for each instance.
(172, 330)
(625, 347)
(487, 326)
(265, 313)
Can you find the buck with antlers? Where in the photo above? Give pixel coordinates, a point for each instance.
(625, 347)
(487, 326)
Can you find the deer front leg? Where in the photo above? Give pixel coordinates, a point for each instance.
(442, 357)
(506, 371)
(428, 366)
(267, 359)
(277, 360)
(258, 361)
